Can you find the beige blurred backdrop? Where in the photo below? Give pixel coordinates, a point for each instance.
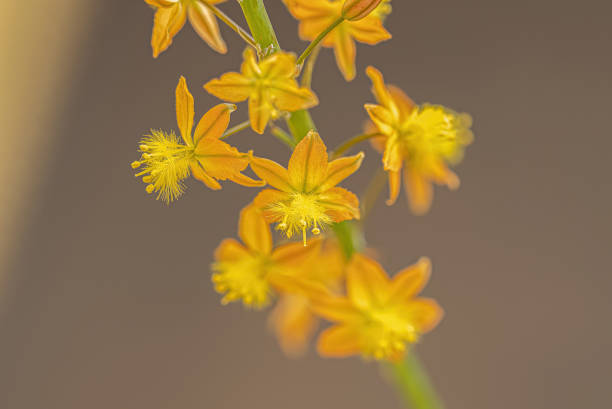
(106, 294)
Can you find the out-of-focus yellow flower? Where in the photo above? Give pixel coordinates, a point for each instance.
(269, 85)
(292, 320)
(379, 316)
(248, 271)
(421, 139)
(170, 16)
(357, 9)
(166, 161)
(307, 196)
(316, 15)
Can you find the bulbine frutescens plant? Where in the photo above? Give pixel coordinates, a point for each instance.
(327, 273)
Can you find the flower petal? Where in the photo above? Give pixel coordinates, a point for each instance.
(214, 122)
(392, 156)
(205, 24)
(410, 281)
(382, 117)
(161, 3)
(419, 191)
(308, 163)
(184, 110)
(423, 313)
(293, 324)
(287, 96)
(231, 86)
(273, 173)
(220, 160)
(344, 49)
(202, 176)
(380, 91)
(230, 250)
(279, 65)
(394, 186)
(339, 341)
(259, 111)
(294, 254)
(403, 102)
(244, 180)
(370, 30)
(167, 22)
(254, 231)
(340, 169)
(367, 284)
(340, 204)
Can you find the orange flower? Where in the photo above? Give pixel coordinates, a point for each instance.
(269, 85)
(170, 17)
(421, 139)
(379, 316)
(248, 271)
(292, 320)
(317, 15)
(306, 196)
(166, 161)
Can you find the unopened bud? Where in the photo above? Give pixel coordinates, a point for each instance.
(354, 10)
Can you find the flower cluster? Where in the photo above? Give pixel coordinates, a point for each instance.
(327, 274)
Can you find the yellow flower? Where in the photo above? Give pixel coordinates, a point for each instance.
(248, 271)
(292, 319)
(379, 316)
(166, 161)
(170, 17)
(358, 9)
(421, 139)
(307, 196)
(316, 15)
(269, 85)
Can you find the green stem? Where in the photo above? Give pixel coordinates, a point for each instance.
(282, 136)
(309, 68)
(352, 142)
(317, 40)
(299, 122)
(240, 127)
(231, 24)
(415, 387)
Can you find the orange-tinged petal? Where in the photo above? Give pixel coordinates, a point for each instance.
(295, 254)
(333, 308)
(442, 175)
(273, 173)
(244, 180)
(214, 122)
(403, 102)
(340, 169)
(344, 49)
(254, 231)
(410, 281)
(382, 117)
(220, 160)
(419, 191)
(287, 96)
(392, 156)
(280, 64)
(423, 313)
(367, 284)
(267, 197)
(369, 30)
(205, 24)
(231, 86)
(293, 324)
(380, 91)
(308, 163)
(394, 186)
(340, 204)
(167, 22)
(230, 250)
(249, 67)
(339, 341)
(202, 176)
(184, 110)
(161, 3)
(259, 111)
(358, 9)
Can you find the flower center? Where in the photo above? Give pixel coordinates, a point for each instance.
(387, 334)
(300, 213)
(244, 279)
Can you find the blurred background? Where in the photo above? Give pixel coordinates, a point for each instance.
(106, 300)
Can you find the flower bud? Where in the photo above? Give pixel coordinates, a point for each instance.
(357, 9)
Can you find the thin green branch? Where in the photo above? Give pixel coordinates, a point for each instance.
(283, 136)
(240, 127)
(317, 40)
(259, 23)
(309, 68)
(232, 24)
(352, 142)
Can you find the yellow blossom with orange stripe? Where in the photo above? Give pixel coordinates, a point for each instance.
(421, 139)
(166, 161)
(306, 196)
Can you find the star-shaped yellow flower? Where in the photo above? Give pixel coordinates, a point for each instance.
(306, 195)
(316, 15)
(269, 85)
(170, 17)
(421, 139)
(379, 316)
(292, 319)
(166, 161)
(248, 271)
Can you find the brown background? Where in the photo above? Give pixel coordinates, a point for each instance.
(110, 305)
